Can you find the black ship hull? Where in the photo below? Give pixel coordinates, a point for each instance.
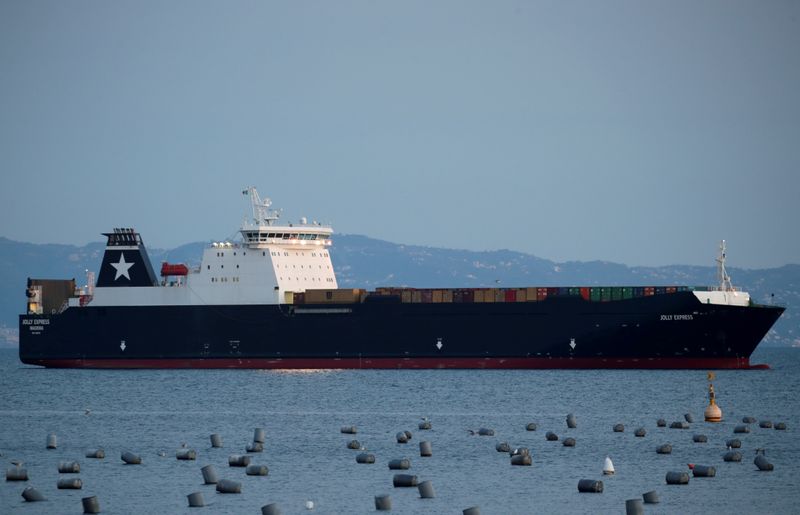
(659, 331)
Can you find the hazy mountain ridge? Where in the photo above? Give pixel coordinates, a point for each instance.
(365, 262)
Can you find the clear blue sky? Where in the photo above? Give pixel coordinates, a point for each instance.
(630, 131)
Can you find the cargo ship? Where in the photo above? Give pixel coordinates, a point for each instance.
(270, 300)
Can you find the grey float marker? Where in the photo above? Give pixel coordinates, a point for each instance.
(52, 441)
(238, 460)
(404, 480)
(703, 471)
(661, 422)
(365, 458)
(689, 418)
(650, 497)
(531, 426)
(356, 445)
(741, 429)
(348, 430)
(17, 474)
(402, 464)
(425, 449)
(485, 431)
(749, 420)
(634, 507)
(259, 435)
(732, 456)
(209, 475)
(216, 441)
(568, 442)
(762, 463)
(679, 424)
(186, 454)
(425, 425)
(640, 432)
(69, 467)
(699, 438)
(590, 486)
(524, 460)
(254, 447)
(733, 443)
(401, 437)
(551, 436)
(30, 494)
(572, 422)
(196, 500)
(227, 486)
(664, 449)
(91, 504)
(426, 490)
(270, 509)
(70, 483)
(131, 458)
(780, 426)
(619, 428)
(472, 511)
(98, 454)
(677, 478)
(765, 424)
(502, 447)
(383, 503)
(256, 470)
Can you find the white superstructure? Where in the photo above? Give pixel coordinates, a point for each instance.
(270, 260)
(725, 293)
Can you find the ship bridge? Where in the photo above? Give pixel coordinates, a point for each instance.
(262, 230)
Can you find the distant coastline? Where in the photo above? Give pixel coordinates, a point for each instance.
(9, 337)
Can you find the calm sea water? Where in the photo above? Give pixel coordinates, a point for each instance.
(147, 412)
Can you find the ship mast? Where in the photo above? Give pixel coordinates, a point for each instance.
(722, 275)
(262, 214)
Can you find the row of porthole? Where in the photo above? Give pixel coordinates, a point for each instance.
(221, 266)
(224, 279)
(301, 266)
(313, 254)
(327, 279)
(222, 254)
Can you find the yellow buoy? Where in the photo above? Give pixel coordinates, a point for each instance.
(712, 412)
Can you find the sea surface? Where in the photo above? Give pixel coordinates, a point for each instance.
(154, 412)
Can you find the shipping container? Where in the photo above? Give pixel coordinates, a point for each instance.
(596, 294)
(541, 293)
(522, 295)
(489, 295)
(616, 293)
(405, 296)
(649, 290)
(671, 289)
(478, 295)
(437, 296)
(447, 295)
(510, 295)
(586, 293)
(416, 296)
(427, 296)
(530, 294)
(638, 291)
(660, 290)
(468, 296)
(552, 292)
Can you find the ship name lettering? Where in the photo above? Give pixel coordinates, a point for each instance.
(677, 317)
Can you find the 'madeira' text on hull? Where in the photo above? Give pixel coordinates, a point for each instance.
(271, 301)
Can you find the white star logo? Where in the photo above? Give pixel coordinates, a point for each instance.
(122, 267)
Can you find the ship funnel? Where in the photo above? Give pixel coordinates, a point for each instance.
(125, 262)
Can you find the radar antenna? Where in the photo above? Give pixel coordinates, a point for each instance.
(262, 214)
(722, 275)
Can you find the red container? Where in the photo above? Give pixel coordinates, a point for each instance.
(511, 295)
(541, 293)
(551, 292)
(585, 293)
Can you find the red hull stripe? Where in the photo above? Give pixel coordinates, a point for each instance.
(412, 363)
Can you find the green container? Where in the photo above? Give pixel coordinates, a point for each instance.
(595, 294)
